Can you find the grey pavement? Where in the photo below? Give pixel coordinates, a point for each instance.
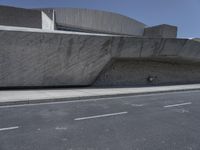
(48, 95)
(162, 121)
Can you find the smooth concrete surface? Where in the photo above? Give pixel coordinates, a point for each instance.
(42, 58)
(12, 16)
(161, 31)
(179, 50)
(47, 22)
(167, 121)
(129, 72)
(97, 21)
(68, 94)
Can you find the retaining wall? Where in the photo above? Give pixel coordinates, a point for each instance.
(38, 58)
(127, 72)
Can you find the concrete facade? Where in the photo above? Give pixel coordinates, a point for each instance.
(71, 19)
(57, 59)
(161, 31)
(12, 16)
(97, 21)
(49, 57)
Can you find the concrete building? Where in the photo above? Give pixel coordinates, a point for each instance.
(81, 47)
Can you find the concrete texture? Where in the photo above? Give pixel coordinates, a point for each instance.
(21, 17)
(129, 72)
(161, 31)
(33, 57)
(96, 21)
(65, 59)
(51, 59)
(164, 49)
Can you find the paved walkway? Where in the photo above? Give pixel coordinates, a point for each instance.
(44, 95)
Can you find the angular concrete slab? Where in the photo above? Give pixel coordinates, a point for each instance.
(66, 59)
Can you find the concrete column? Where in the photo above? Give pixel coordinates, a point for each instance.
(48, 22)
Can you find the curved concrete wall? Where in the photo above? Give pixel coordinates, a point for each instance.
(74, 19)
(11, 16)
(97, 21)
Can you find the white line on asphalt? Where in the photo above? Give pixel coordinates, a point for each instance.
(175, 105)
(96, 99)
(100, 116)
(9, 128)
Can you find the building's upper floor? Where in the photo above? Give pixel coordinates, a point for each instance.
(81, 20)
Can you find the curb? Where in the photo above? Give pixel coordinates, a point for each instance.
(41, 101)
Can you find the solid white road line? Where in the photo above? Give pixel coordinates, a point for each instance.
(100, 116)
(9, 128)
(95, 99)
(175, 105)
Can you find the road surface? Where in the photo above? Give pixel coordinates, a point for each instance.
(165, 121)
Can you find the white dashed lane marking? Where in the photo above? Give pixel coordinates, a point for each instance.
(9, 128)
(100, 116)
(176, 105)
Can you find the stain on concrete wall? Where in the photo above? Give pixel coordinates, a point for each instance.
(54, 58)
(126, 72)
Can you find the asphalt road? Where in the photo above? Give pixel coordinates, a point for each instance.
(166, 121)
